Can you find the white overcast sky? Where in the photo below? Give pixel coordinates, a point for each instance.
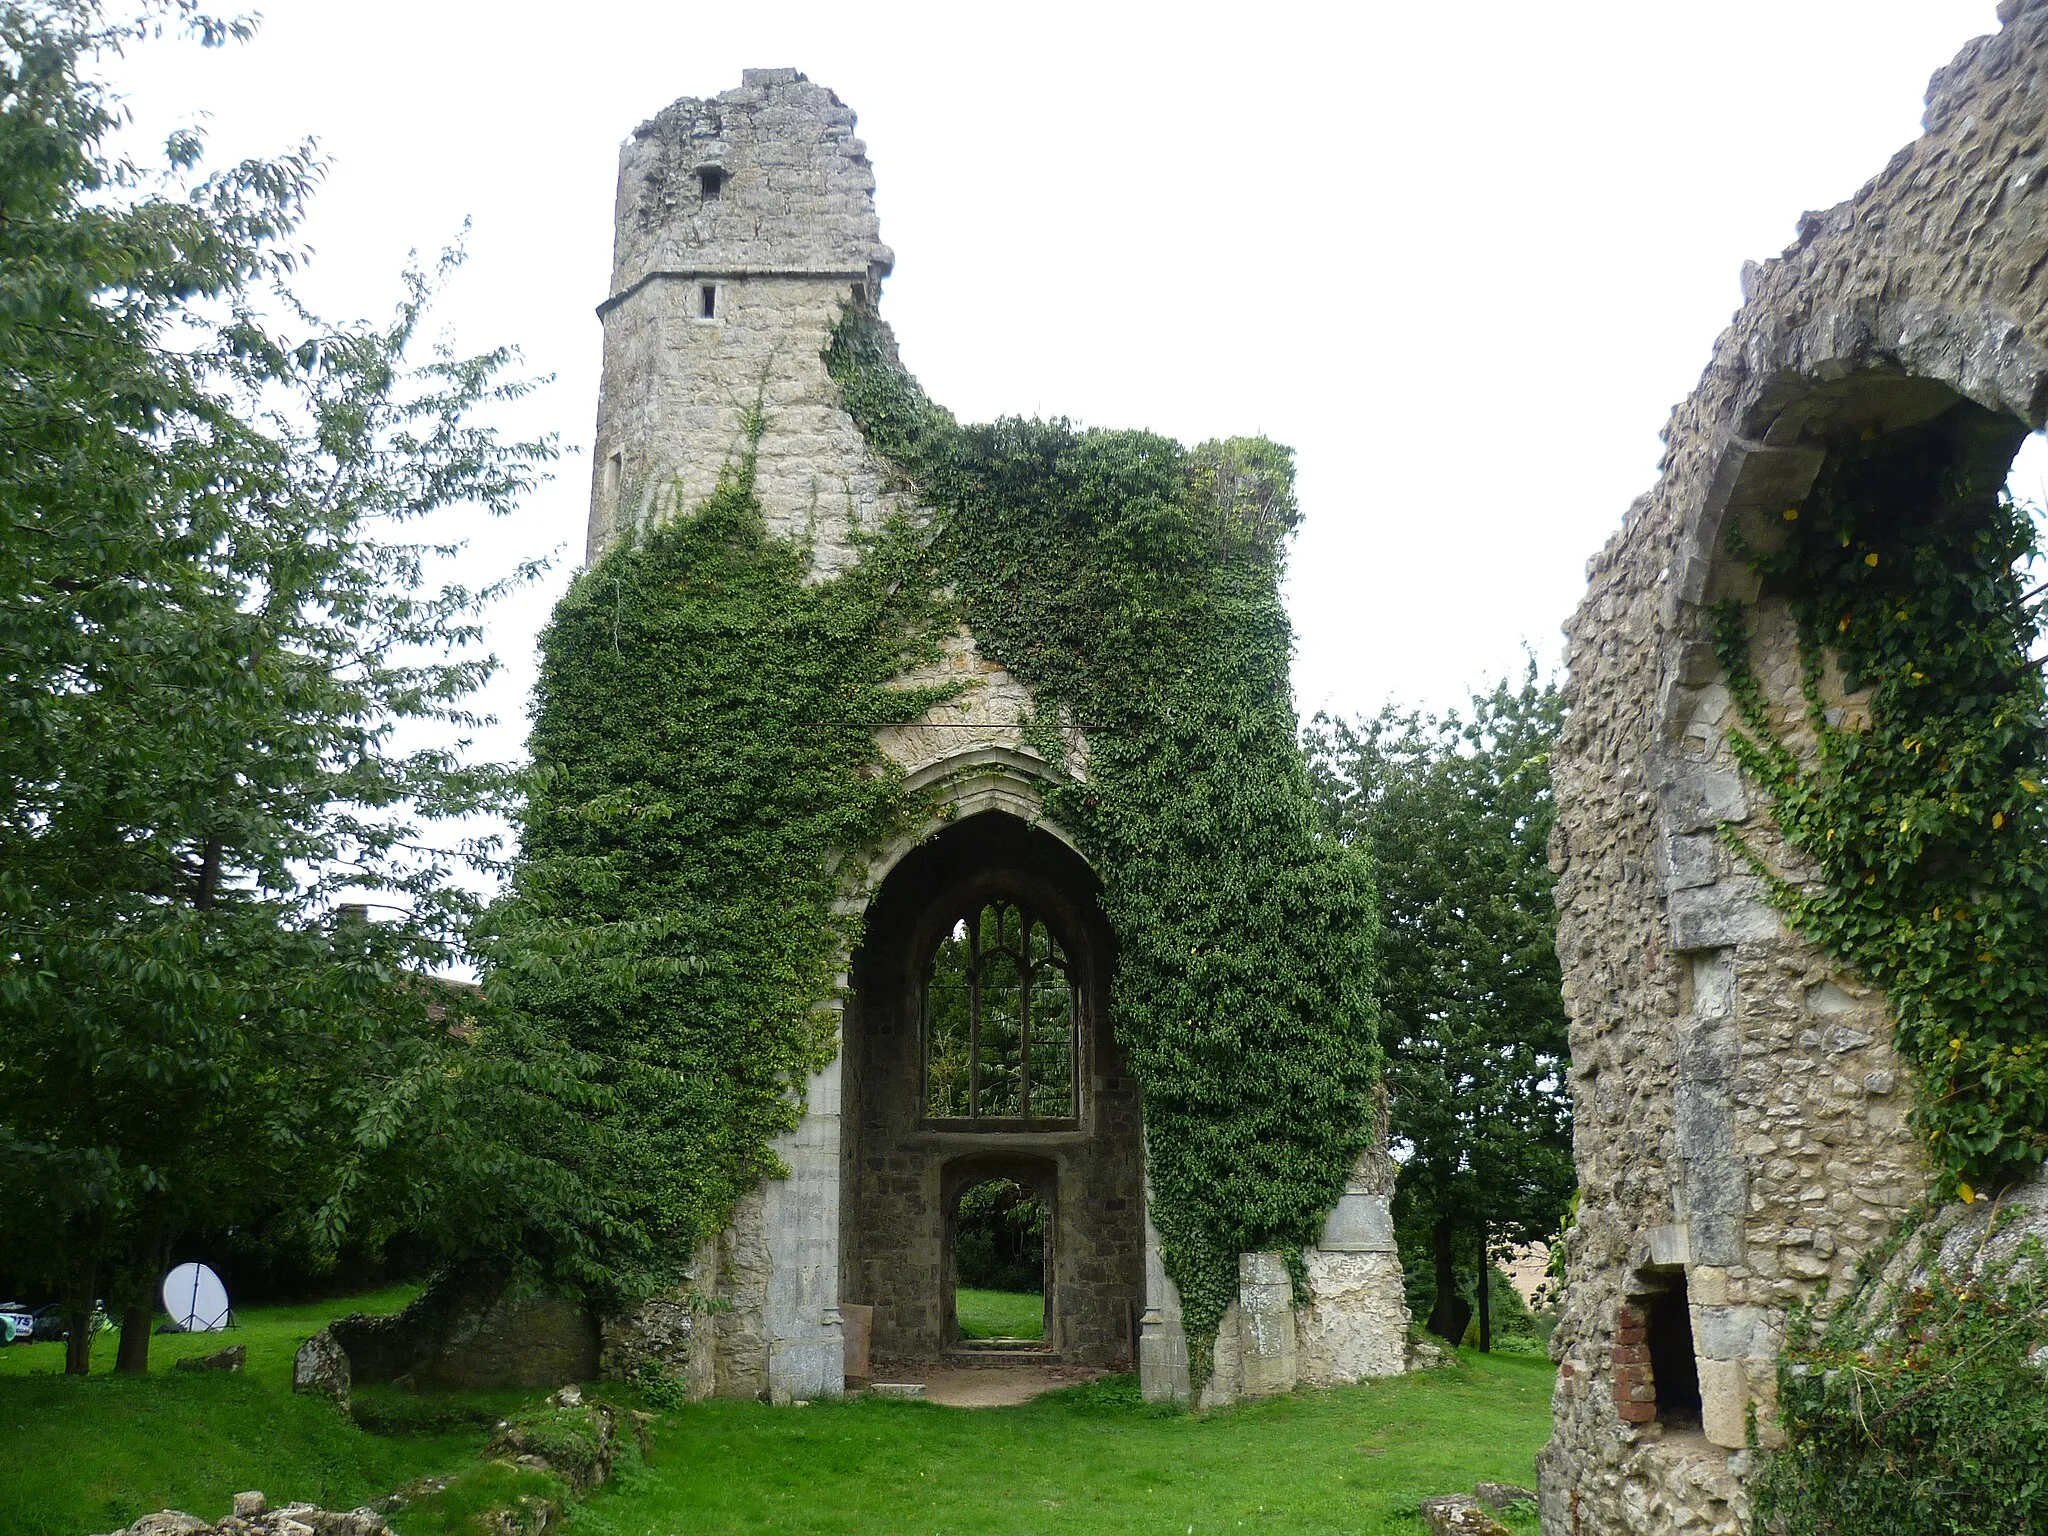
(1463, 258)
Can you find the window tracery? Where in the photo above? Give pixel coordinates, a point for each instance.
(1000, 1021)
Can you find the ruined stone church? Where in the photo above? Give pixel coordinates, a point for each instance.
(745, 228)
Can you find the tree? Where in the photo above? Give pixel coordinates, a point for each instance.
(212, 626)
(1457, 813)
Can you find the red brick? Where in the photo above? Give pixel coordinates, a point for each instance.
(1631, 1354)
(1631, 1335)
(1636, 1413)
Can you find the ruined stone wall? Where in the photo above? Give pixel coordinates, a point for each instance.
(745, 227)
(1740, 1115)
(1348, 1322)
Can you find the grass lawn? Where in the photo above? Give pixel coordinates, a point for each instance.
(78, 1456)
(91, 1455)
(1091, 1459)
(1000, 1314)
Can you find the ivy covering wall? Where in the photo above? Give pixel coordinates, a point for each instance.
(703, 757)
(1133, 585)
(1920, 863)
(1925, 830)
(1913, 1406)
(705, 764)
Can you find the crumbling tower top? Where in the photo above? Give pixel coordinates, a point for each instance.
(766, 179)
(745, 229)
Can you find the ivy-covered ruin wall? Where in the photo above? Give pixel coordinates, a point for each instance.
(824, 623)
(1749, 1120)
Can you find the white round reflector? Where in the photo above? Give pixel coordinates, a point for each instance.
(196, 1300)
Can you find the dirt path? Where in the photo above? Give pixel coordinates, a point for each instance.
(989, 1386)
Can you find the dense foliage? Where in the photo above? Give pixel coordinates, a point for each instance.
(1133, 585)
(208, 637)
(703, 754)
(1926, 830)
(999, 1238)
(1917, 1409)
(1456, 812)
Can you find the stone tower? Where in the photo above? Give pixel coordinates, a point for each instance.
(745, 224)
(746, 228)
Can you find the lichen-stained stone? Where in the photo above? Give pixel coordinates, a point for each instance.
(1353, 1325)
(1460, 1514)
(1266, 1333)
(321, 1366)
(1727, 1081)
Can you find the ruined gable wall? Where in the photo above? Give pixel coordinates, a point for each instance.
(788, 242)
(785, 241)
(1740, 1116)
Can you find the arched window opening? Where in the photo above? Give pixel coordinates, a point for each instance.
(999, 1023)
(999, 1241)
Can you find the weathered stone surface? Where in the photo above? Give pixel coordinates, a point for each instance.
(1353, 1325)
(321, 1365)
(470, 1332)
(1348, 1323)
(575, 1440)
(782, 245)
(668, 1338)
(1266, 1335)
(1359, 1223)
(168, 1522)
(252, 1516)
(859, 1324)
(233, 1358)
(1502, 1495)
(1726, 1080)
(1459, 1514)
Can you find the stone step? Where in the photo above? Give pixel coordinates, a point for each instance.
(995, 1354)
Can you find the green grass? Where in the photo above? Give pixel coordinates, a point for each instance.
(1092, 1459)
(1000, 1314)
(91, 1455)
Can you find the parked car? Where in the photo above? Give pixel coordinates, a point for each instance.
(52, 1326)
(17, 1323)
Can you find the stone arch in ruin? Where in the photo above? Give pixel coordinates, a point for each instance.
(1741, 1129)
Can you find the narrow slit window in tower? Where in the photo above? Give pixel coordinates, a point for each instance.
(711, 182)
(709, 294)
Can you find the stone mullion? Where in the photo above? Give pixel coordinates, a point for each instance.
(1026, 976)
(974, 1017)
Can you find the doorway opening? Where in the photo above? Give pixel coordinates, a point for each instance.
(975, 1054)
(999, 1242)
